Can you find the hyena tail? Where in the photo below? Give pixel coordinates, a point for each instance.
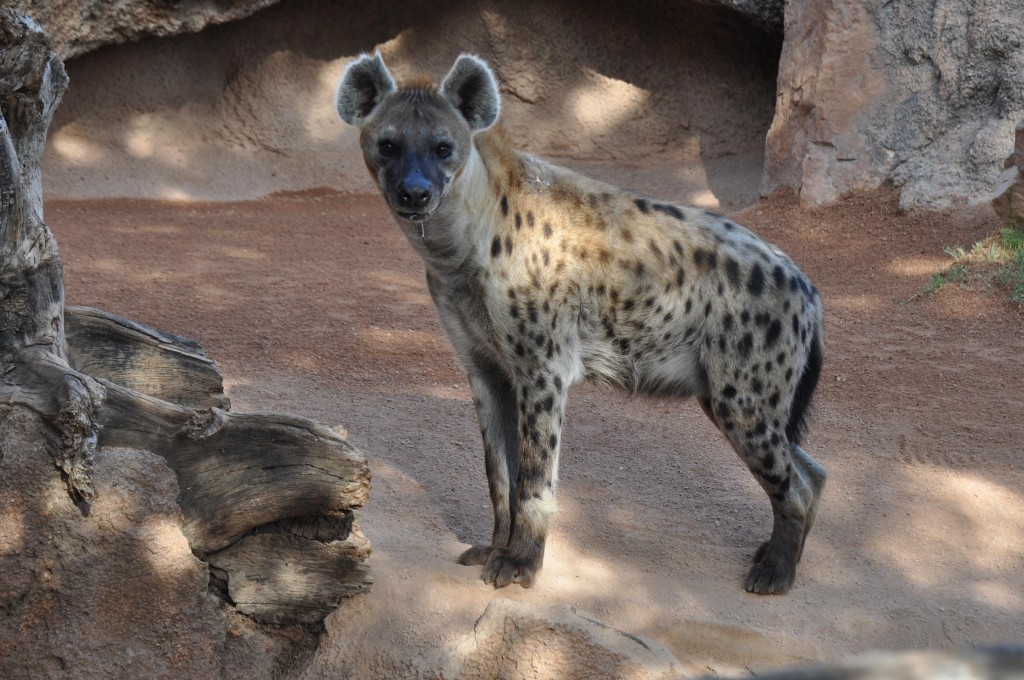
(797, 425)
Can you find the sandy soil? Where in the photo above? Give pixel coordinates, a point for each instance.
(312, 303)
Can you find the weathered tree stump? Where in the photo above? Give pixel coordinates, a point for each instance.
(267, 499)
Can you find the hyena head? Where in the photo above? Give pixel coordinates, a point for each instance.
(417, 139)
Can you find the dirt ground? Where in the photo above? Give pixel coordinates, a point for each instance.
(312, 303)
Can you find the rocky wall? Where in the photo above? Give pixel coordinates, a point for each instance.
(922, 95)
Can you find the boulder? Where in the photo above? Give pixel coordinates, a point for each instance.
(1008, 198)
(919, 95)
(78, 26)
(765, 14)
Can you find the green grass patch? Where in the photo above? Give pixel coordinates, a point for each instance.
(998, 260)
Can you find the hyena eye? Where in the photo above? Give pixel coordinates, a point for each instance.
(387, 148)
(444, 150)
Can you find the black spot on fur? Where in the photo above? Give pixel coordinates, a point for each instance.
(508, 244)
(504, 205)
(496, 246)
(519, 221)
(768, 462)
(732, 270)
(773, 400)
(529, 218)
(773, 333)
(727, 322)
(558, 383)
(547, 230)
(729, 392)
(703, 257)
(779, 276)
(755, 284)
(669, 210)
(746, 344)
(642, 205)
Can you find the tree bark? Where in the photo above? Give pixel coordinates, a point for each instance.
(262, 495)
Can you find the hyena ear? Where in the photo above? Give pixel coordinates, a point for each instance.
(472, 89)
(363, 85)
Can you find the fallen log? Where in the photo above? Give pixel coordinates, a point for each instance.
(269, 499)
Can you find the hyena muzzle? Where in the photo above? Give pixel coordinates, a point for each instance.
(543, 278)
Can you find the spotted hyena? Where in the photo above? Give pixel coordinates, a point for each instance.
(543, 278)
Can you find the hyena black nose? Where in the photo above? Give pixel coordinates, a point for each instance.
(414, 192)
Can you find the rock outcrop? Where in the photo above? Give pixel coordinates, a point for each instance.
(78, 26)
(246, 109)
(923, 95)
(1008, 199)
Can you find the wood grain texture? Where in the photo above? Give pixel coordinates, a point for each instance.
(140, 358)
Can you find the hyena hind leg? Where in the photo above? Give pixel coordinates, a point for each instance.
(794, 482)
(816, 474)
(792, 479)
(793, 500)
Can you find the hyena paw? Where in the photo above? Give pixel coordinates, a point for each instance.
(503, 568)
(771, 574)
(477, 555)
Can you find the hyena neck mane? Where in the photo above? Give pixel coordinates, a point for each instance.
(460, 234)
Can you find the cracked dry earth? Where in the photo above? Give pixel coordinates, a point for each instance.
(312, 303)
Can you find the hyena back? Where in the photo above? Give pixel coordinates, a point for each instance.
(544, 278)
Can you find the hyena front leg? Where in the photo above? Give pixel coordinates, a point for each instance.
(541, 399)
(495, 403)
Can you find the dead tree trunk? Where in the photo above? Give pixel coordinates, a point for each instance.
(267, 499)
